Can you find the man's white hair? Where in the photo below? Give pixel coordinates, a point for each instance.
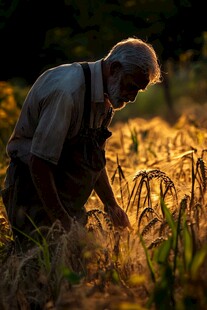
(134, 52)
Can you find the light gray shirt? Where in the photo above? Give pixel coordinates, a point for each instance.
(53, 110)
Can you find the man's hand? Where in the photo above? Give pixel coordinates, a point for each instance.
(117, 215)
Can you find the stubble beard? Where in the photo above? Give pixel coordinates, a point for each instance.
(114, 95)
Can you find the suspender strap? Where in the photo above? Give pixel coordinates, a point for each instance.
(87, 98)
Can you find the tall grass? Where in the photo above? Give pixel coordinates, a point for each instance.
(158, 174)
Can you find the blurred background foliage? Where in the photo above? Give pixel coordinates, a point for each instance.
(39, 34)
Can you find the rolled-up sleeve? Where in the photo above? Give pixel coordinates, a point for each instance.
(53, 125)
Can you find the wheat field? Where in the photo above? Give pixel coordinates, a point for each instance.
(158, 173)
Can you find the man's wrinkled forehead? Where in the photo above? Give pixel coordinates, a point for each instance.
(142, 79)
(139, 75)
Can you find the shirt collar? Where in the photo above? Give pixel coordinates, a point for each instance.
(97, 92)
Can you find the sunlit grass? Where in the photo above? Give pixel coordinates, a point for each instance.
(159, 176)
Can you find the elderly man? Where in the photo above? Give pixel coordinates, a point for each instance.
(57, 148)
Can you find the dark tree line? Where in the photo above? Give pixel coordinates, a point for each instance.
(38, 34)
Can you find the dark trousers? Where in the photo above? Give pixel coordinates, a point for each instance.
(24, 209)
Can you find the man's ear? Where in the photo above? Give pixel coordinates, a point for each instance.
(115, 67)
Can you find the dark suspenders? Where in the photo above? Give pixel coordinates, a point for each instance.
(87, 98)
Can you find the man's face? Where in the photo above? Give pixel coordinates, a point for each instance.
(123, 88)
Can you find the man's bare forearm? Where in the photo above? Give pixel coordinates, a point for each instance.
(104, 190)
(43, 179)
